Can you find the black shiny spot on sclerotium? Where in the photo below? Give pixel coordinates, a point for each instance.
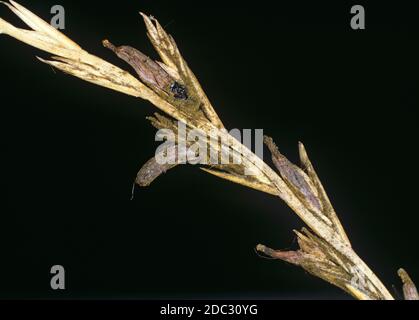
(179, 91)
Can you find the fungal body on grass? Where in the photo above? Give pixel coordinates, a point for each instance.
(325, 250)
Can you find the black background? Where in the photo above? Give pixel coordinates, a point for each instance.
(70, 151)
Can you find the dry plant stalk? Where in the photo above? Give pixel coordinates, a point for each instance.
(325, 250)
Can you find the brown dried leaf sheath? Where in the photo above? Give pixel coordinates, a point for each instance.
(409, 289)
(295, 177)
(150, 72)
(152, 168)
